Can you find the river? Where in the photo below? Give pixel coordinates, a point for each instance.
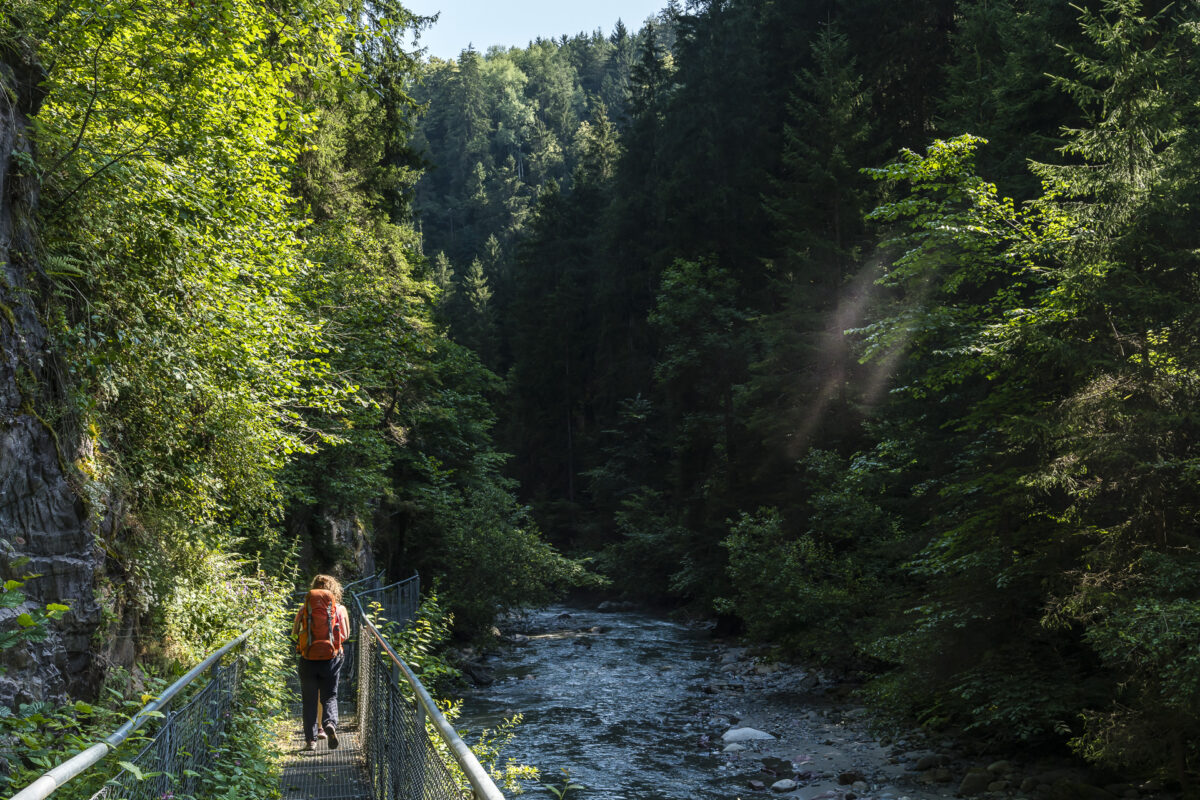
(619, 707)
(634, 707)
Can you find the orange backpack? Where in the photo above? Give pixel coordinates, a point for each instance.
(321, 633)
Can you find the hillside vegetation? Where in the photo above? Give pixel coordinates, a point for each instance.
(871, 324)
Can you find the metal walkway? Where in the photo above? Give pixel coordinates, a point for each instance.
(387, 750)
(395, 744)
(325, 774)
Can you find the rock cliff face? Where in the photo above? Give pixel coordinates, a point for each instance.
(332, 541)
(44, 526)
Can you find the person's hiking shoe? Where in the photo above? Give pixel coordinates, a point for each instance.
(331, 732)
(320, 734)
(310, 745)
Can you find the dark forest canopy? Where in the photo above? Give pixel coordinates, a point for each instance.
(778, 343)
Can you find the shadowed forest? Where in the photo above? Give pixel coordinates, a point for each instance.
(870, 327)
(869, 324)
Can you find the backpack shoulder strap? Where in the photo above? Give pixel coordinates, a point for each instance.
(309, 626)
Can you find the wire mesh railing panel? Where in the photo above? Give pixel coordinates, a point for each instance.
(398, 602)
(402, 761)
(186, 742)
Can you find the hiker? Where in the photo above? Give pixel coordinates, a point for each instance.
(321, 625)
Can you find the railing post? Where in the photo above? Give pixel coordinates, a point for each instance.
(168, 751)
(215, 677)
(420, 725)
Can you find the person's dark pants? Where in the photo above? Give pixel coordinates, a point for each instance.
(319, 681)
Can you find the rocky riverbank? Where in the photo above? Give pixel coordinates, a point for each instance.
(738, 726)
(821, 746)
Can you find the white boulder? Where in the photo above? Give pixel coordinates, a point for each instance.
(744, 735)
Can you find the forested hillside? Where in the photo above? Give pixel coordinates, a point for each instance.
(221, 366)
(871, 324)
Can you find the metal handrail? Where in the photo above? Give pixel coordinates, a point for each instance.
(485, 788)
(53, 779)
(364, 579)
(481, 782)
(416, 576)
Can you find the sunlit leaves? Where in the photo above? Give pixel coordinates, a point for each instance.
(974, 268)
(168, 137)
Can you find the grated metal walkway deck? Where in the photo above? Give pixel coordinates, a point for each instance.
(325, 774)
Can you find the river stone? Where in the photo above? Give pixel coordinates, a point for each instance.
(480, 674)
(860, 786)
(1078, 790)
(785, 785)
(1053, 776)
(998, 786)
(734, 748)
(777, 766)
(942, 775)
(1000, 768)
(849, 778)
(616, 605)
(744, 735)
(974, 782)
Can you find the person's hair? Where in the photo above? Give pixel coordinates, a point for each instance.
(329, 583)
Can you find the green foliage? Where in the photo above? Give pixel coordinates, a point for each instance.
(651, 548)
(420, 642)
(562, 790)
(485, 548)
(489, 749)
(814, 592)
(32, 624)
(182, 329)
(39, 735)
(42, 736)
(969, 512)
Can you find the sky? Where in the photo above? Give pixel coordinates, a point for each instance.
(514, 23)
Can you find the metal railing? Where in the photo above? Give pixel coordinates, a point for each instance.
(184, 743)
(404, 761)
(406, 758)
(399, 601)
